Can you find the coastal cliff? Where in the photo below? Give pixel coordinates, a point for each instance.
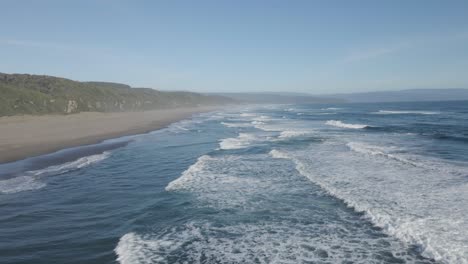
(40, 94)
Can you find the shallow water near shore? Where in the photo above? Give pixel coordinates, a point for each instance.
(354, 183)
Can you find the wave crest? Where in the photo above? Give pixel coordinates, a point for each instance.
(19, 184)
(31, 179)
(394, 112)
(188, 175)
(406, 201)
(338, 123)
(239, 142)
(226, 124)
(278, 154)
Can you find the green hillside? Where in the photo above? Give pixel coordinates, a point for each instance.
(38, 94)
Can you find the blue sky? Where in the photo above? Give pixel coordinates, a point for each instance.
(296, 46)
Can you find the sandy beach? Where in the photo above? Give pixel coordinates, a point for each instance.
(26, 136)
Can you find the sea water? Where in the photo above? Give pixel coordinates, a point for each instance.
(349, 183)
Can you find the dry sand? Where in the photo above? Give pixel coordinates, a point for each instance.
(26, 136)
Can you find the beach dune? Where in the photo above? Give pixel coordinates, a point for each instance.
(26, 136)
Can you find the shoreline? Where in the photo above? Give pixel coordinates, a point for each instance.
(27, 136)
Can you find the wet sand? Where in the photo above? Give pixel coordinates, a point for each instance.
(27, 136)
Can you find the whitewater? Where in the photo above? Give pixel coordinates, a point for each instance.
(357, 183)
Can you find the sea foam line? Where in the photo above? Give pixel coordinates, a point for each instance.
(419, 227)
(338, 123)
(293, 133)
(19, 184)
(331, 108)
(31, 179)
(427, 164)
(242, 141)
(379, 151)
(394, 112)
(189, 174)
(202, 242)
(229, 124)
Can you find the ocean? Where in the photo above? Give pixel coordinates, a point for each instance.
(348, 183)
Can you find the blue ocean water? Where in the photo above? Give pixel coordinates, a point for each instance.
(348, 183)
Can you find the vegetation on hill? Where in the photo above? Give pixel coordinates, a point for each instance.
(37, 94)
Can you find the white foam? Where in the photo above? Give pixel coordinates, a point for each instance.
(282, 125)
(253, 183)
(193, 123)
(218, 181)
(181, 128)
(31, 179)
(185, 125)
(133, 249)
(287, 242)
(294, 133)
(389, 112)
(279, 154)
(263, 118)
(236, 124)
(368, 149)
(73, 165)
(332, 108)
(248, 243)
(338, 123)
(418, 203)
(258, 123)
(230, 181)
(242, 141)
(189, 174)
(395, 154)
(19, 184)
(268, 126)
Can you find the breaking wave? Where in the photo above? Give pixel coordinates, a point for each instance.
(294, 133)
(31, 180)
(332, 108)
(392, 112)
(248, 185)
(367, 149)
(244, 140)
(338, 123)
(189, 174)
(414, 204)
(227, 124)
(278, 242)
(19, 184)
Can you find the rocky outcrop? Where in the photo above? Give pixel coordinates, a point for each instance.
(71, 107)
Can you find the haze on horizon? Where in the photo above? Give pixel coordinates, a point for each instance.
(243, 46)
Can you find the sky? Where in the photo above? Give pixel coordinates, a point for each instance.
(312, 46)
